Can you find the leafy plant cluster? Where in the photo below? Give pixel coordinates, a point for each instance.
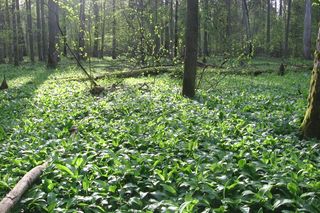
(235, 149)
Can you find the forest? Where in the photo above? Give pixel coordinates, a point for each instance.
(159, 106)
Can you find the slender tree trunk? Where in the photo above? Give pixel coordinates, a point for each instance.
(176, 27)
(53, 34)
(228, 30)
(190, 63)
(39, 39)
(30, 32)
(14, 34)
(96, 29)
(2, 23)
(171, 31)
(307, 31)
(103, 29)
(114, 38)
(43, 31)
(268, 25)
(65, 33)
(205, 30)
(156, 26)
(21, 43)
(311, 124)
(281, 8)
(9, 30)
(286, 42)
(167, 29)
(81, 43)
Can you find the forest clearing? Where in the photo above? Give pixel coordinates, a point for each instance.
(159, 106)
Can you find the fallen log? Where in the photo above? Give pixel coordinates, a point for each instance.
(9, 201)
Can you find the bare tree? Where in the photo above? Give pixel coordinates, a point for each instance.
(29, 30)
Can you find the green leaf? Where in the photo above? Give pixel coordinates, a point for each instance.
(281, 202)
(65, 169)
(169, 188)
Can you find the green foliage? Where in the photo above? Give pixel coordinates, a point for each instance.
(232, 149)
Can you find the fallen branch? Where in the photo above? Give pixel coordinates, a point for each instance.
(22, 186)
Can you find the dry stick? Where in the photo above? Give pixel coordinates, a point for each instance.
(22, 186)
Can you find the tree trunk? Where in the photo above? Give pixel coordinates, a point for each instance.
(205, 30)
(14, 34)
(81, 43)
(9, 31)
(156, 26)
(64, 29)
(21, 43)
(30, 32)
(311, 124)
(190, 63)
(228, 30)
(53, 34)
(103, 28)
(39, 46)
(176, 27)
(2, 23)
(268, 25)
(281, 7)
(96, 30)
(286, 42)
(171, 31)
(167, 29)
(307, 31)
(43, 31)
(114, 38)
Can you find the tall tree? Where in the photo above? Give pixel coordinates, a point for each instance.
(286, 39)
(39, 38)
(307, 31)
(53, 33)
(43, 31)
(29, 30)
(114, 38)
(268, 24)
(2, 23)
(81, 43)
(14, 34)
(96, 29)
(311, 124)
(228, 27)
(8, 29)
(103, 27)
(191, 37)
(176, 27)
(205, 30)
(21, 42)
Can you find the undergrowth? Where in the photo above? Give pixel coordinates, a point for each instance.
(141, 147)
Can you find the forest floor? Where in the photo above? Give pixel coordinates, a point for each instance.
(141, 147)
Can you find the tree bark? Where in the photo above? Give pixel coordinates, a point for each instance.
(205, 30)
(81, 43)
(43, 31)
(176, 28)
(103, 29)
(30, 32)
(311, 124)
(21, 43)
(307, 31)
(2, 23)
(22, 186)
(39, 46)
(228, 30)
(53, 34)
(286, 42)
(9, 30)
(114, 38)
(268, 25)
(14, 34)
(96, 29)
(190, 62)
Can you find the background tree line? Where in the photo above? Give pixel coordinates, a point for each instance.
(152, 31)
